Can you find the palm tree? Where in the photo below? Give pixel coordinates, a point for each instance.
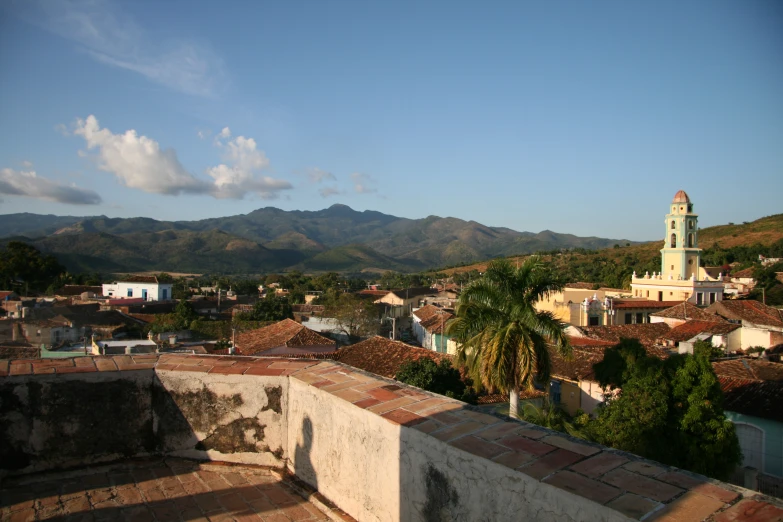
(502, 339)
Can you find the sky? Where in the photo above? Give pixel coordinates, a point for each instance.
(578, 117)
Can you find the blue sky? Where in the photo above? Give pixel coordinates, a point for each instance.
(578, 117)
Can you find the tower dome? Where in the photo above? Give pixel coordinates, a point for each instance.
(681, 197)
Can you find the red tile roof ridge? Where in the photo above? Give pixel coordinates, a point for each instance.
(287, 333)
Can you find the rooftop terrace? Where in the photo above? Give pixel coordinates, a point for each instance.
(375, 448)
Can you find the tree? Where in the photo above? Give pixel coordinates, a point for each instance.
(441, 378)
(355, 317)
(666, 410)
(22, 266)
(271, 308)
(502, 339)
(706, 349)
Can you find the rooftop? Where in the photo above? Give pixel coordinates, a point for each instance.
(686, 311)
(751, 387)
(378, 449)
(691, 329)
(681, 197)
(647, 333)
(642, 303)
(748, 310)
(283, 334)
(383, 356)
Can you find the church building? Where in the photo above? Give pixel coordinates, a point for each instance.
(682, 278)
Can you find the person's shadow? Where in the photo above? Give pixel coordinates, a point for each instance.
(303, 465)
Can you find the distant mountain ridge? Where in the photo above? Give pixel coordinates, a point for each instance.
(269, 239)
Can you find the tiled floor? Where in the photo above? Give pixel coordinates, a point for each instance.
(156, 489)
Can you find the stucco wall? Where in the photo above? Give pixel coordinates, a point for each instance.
(233, 418)
(754, 337)
(772, 450)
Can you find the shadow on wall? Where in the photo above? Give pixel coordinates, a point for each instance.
(303, 464)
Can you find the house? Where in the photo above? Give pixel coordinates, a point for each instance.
(609, 311)
(12, 304)
(752, 390)
(682, 313)
(572, 384)
(401, 302)
(428, 328)
(383, 356)
(762, 325)
(148, 288)
(79, 291)
(565, 304)
(286, 337)
(124, 347)
(682, 278)
(649, 334)
(720, 334)
(49, 332)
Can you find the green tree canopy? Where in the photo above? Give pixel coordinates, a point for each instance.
(666, 410)
(271, 308)
(441, 378)
(502, 338)
(23, 267)
(355, 317)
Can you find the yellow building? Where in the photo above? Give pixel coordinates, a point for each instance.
(681, 277)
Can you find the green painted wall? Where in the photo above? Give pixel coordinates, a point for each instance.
(773, 440)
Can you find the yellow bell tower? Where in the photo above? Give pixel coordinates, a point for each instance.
(680, 255)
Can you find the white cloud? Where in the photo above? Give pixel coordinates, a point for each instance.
(363, 183)
(27, 164)
(239, 174)
(110, 36)
(29, 184)
(329, 191)
(138, 161)
(316, 175)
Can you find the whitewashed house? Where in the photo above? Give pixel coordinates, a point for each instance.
(147, 288)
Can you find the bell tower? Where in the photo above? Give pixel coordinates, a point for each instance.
(680, 255)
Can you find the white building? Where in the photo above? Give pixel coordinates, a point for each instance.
(138, 287)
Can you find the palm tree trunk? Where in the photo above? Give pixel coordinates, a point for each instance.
(513, 402)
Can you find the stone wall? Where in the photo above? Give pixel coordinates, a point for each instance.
(380, 450)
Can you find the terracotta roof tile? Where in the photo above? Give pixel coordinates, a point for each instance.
(6, 293)
(753, 369)
(687, 311)
(581, 286)
(286, 333)
(425, 312)
(579, 367)
(647, 333)
(748, 310)
(437, 323)
(691, 329)
(642, 303)
(757, 398)
(383, 356)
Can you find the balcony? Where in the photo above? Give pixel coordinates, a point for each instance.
(196, 437)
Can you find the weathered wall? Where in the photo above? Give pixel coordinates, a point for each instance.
(233, 418)
(439, 482)
(349, 454)
(67, 420)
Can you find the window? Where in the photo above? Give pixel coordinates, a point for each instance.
(144, 293)
(130, 292)
(672, 225)
(699, 298)
(674, 243)
(690, 240)
(712, 297)
(690, 225)
(639, 317)
(628, 316)
(660, 296)
(593, 320)
(690, 261)
(648, 293)
(164, 294)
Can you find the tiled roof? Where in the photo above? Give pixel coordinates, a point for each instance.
(748, 310)
(753, 369)
(642, 303)
(437, 323)
(6, 293)
(579, 367)
(681, 197)
(587, 342)
(691, 329)
(686, 312)
(383, 356)
(647, 333)
(19, 352)
(138, 279)
(286, 333)
(757, 398)
(425, 312)
(748, 272)
(372, 293)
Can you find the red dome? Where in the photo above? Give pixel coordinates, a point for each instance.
(681, 197)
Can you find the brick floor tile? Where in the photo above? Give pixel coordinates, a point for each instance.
(253, 370)
(533, 433)
(444, 418)
(129, 496)
(366, 403)
(350, 395)
(644, 468)
(384, 395)
(403, 417)
(276, 517)
(77, 504)
(599, 464)
(23, 515)
(583, 486)
(570, 445)
(105, 365)
(230, 370)
(483, 418)
(699, 485)
(452, 432)
(383, 407)
(690, 506)
(751, 510)
(279, 497)
(498, 431)
(427, 426)
(524, 444)
(550, 463)
(635, 506)
(478, 447)
(641, 485)
(514, 459)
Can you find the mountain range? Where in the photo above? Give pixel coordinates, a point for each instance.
(269, 239)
